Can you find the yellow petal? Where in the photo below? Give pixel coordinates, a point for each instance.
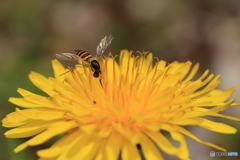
(162, 142)
(50, 152)
(217, 127)
(75, 151)
(5, 123)
(48, 114)
(41, 114)
(218, 97)
(183, 69)
(129, 151)
(87, 148)
(113, 146)
(185, 121)
(144, 63)
(187, 133)
(34, 98)
(227, 117)
(15, 119)
(125, 62)
(89, 128)
(58, 70)
(198, 111)
(192, 73)
(42, 83)
(61, 147)
(192, 87)
(183, 149)
(27, 130)
(101, 153)
(23, 102)
(160, 65)
(104, 131)
(150, 150)
(66, 91)
(53, 130)
(112, 70)
(20, 147)
(225, 95)
(220, 107)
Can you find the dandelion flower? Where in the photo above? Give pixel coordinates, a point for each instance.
(136, 100)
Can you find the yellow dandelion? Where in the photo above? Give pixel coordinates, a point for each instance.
(135, 102)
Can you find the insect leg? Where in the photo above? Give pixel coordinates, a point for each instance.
(100, 81)
(70, 70)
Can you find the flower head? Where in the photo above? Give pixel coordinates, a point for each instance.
(135, 101)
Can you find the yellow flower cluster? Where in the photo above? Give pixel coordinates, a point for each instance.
(138, 98)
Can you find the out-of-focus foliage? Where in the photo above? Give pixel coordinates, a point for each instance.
(32, 32)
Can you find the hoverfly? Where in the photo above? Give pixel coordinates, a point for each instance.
(87, 57)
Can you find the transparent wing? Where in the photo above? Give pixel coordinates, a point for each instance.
(68, 57)
(104, 44)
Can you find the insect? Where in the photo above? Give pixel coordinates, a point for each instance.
(87, 57)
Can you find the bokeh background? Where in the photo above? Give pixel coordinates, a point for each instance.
(204, 31)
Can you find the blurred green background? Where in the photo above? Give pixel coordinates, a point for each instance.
(204, 31)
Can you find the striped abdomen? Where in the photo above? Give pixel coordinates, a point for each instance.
(86, 56)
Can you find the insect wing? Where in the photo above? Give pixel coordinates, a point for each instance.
(68, 57)
(104, 44)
